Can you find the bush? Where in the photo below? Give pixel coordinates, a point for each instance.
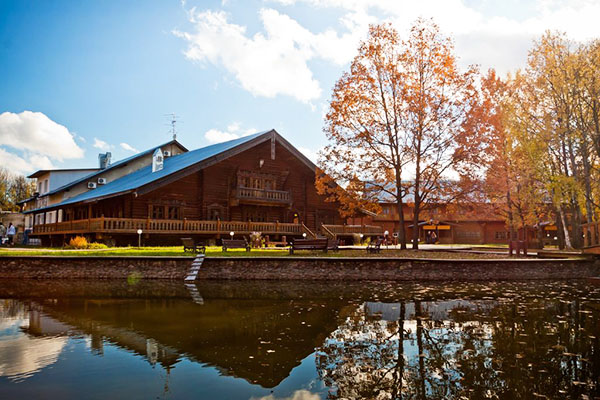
(78, 242)
(96, 245)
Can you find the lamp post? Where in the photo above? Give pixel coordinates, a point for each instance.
(385, 235)
(231, 234)
(361, 238)
(304, 235)
(139, 232)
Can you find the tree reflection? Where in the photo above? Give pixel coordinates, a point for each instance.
(514, 345)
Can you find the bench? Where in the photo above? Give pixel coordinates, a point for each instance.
(235, 244)
(375, 246)
(309, 244)
(270, 243)
(190, 245)
(333, 244)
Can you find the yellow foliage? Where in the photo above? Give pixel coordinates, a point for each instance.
(78, 242)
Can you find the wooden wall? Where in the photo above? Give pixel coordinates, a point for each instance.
(213, 186)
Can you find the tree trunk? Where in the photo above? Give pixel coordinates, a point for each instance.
(563, 222)
(401, 233)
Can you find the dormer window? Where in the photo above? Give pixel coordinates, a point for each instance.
(157, 160)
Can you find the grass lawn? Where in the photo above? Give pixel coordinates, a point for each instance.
(216, 251)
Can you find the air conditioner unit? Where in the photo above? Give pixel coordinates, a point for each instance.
(102, 181)
(91, 185)
(166, 153)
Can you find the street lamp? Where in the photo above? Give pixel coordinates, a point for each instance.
(385, 236)
(231, 234)
(361, 238)
(139, 232)
(304, 235)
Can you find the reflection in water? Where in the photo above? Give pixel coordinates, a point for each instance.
(289, 340)
(22, 355)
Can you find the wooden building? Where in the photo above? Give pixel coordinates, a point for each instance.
(474, 224)
(255, 183)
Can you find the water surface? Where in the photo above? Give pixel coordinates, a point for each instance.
(301, 341)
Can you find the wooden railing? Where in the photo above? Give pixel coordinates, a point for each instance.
(351, 229)
(131, 225)
(276, 196)
(592, 234)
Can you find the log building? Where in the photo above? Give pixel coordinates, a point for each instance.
(258, 183)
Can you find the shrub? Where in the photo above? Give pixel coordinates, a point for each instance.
(256, 239)
(78, 242)
(96, 245)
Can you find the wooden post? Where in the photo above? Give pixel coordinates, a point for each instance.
(276, 226)
(218, 225)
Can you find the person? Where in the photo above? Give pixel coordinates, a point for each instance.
(10, 232)
(2, 232)
(433, 237)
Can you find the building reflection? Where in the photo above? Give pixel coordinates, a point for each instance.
(505, 340)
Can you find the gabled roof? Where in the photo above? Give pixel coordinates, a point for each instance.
(178, 166)
(117, 164)
(44, 171)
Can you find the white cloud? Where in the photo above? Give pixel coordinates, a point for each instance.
(270, 63)
(101, 145)
(19, 165)
(234, 131)
(491, 34)
(301, 394)
(35, 133)
(128, 147)
(312, 155)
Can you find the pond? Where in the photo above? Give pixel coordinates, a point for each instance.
(299, 340)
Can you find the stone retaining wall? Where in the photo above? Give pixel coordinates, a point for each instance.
(50, 267)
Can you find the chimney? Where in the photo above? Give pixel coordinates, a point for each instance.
(104, 159)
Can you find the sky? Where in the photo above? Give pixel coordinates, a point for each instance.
(82, 77)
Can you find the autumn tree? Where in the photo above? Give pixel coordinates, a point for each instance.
(13, 188)
(402, 115)
(368, 151)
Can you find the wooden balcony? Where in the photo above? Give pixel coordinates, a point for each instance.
(262, 196)
(167, 226)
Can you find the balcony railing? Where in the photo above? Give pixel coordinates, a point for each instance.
(351, 229)
(263, 195)
(169, 226)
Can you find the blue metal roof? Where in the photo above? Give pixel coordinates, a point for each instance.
(111, 166)
(145, 175)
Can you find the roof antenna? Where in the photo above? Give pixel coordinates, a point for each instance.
(172, 122)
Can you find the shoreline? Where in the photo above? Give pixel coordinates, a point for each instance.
(295, 268)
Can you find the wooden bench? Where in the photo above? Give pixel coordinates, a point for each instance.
(190, 245)
(235, 244)
(309, 244)
(375, 246)
(270, 243)
(333, 244)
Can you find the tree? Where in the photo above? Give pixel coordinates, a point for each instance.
(437, 103)
(367, 151)
(402, 112)
(14, 188)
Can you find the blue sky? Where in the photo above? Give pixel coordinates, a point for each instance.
(77, 78)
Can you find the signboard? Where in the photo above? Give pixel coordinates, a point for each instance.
(438, 227)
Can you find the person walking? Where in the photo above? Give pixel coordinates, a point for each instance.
(10, 232)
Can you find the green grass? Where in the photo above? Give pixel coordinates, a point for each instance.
(216, 251)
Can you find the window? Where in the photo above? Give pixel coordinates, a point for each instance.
(173, 212)
(158, 212)
(501, 235)
(46, 186)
